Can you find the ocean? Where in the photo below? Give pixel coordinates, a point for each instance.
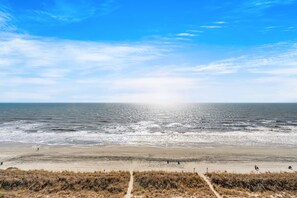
(150, 124)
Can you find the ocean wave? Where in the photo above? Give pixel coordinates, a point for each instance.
(158, 138)
(144, 133)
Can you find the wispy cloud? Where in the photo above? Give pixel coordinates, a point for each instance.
(97, 72)
(108, 6)
(211, 26)
(73, 10)
(268, 3)
(268, 60)
(25, 51)
(35, 64)
(215, 68)
(278, 72)
(220, 22)
(6, 20)
(260, 5)
(186, 34)
(214, 25)
(16, 81)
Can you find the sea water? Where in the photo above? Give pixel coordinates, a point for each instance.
(150, 124)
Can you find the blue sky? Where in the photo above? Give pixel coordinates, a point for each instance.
(148, 51)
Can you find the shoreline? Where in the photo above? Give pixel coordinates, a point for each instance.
(143, 158)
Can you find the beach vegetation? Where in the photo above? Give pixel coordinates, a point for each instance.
(255, 184)
(170, 184)
(39, 182)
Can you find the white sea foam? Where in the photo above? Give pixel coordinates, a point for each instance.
(141, 133)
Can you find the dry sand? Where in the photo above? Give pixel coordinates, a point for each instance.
(136, 158)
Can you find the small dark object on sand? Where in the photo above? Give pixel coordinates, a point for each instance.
(178, 162)
(256, 168)
(290, 167)
(1, 163)
(167, 161)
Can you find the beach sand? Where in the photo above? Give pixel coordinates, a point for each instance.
(137, 158)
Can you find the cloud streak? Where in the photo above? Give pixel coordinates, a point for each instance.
(258, 6)
(6, 21)
(71, 11)
(186, 34)
(277, 59)
(211, 26)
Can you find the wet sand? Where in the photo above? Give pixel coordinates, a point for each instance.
(136, 158)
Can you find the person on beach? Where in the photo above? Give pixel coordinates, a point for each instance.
(256, 168)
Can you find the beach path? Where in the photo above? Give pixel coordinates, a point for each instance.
(210, 186)
(130, 186)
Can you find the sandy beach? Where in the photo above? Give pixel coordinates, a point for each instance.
(136, 158)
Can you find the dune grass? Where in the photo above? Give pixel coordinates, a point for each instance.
(40, 183)
(169, 184)
(253, 185)
(17, 183)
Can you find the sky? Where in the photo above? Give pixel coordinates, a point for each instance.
(148, 51)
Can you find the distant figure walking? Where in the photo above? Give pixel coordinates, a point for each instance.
(256, 168)
(290, 168)
(167, 161)
(37, 149)
(1, 163)
(178, 162)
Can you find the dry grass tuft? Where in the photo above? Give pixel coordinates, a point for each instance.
(17, 183)
(253, 185)
(169, 184)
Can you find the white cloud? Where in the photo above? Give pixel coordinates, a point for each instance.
(220, 22)
(65, 70)
(16, 81)
(278, 72)
(226, 66)
(15, 96)
(155, 83)
(213, 68)
(282, 88)
(277, 59)
(185, 34)
(27, 53)
(211, 26)
(35, 64)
